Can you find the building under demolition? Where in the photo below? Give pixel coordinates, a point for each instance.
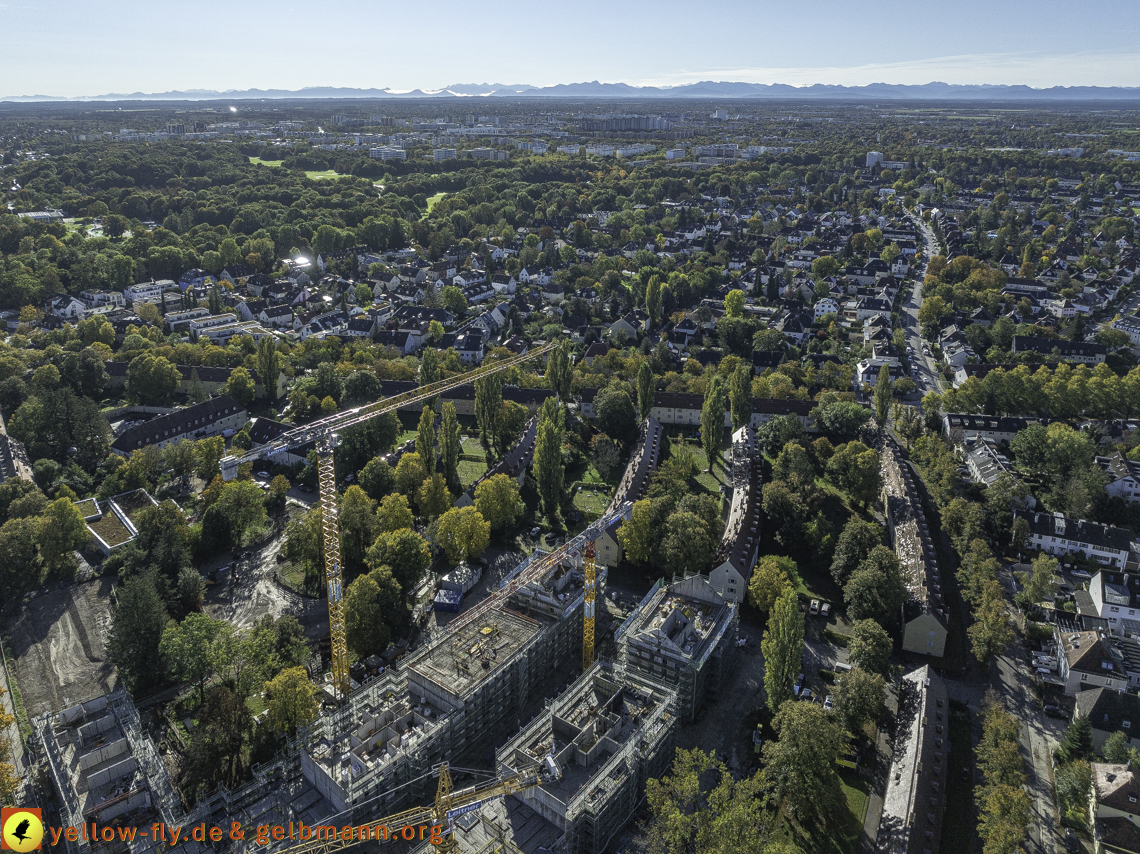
(682, 636)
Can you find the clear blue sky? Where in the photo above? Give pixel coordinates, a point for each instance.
(73, 48)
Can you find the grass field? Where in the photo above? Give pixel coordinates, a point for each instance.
(470, 471)
(592, 502)
(324, 173)
(259, 161)
(843, 830)
(432, 200)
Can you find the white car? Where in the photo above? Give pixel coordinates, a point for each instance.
(827, 702)
(1081, 573)
(814, 606)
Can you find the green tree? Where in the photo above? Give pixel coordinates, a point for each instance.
(358, 526)
(770, 579)
(450, 447)
(615, 413)
(406, 554)
(241, 505)
(1077, 742)
(20, 569)
(62, 532)
(394, 513)
(876, 590)
(152, 378)
(646, 387)
(185, 647)
(688, 542)
(137, 622)
(548, 468)
(291, 700)
(1116, 749)
(558, 370)
(431, 370)
(653, 301)
(497, 500)
(268, 362)
(841, 420)
(377, 478)
(1040, 584)
(712, 420)
(425, 439)
(208, 456)
(734, 304)
(410, 474)
(462, 533)
(240, 386)
(859, 698)
(884, 389)
(433, 498)
(799, 766)
(488, 400)
(782, 646)
(740, 396)
(855, 543)
(367, 631)
(870, 647)
(635, 535)
(454, 301)
(786, 511)
(856, 469)
(195, 391)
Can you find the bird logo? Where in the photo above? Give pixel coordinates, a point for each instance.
(23, 829)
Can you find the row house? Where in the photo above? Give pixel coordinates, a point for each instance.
(1056, 534)
(221, 415)
(739, 546)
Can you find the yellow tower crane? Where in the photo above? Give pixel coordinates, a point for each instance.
(449, 805)
(325, 433)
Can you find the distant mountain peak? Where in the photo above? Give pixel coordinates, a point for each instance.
(705, 89)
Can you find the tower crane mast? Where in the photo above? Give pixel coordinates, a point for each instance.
(325, 433)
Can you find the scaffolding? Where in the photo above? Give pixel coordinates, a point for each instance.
(682, 636)
(608, 735)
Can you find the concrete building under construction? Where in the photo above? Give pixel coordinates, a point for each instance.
(454, 699)
(608, 735)
(105, 768)
(682, 636)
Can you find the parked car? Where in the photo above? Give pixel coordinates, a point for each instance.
(805, 694)
(263, 474)
(1081, 573)
(1055, 711)
(827, 702)
(814, 606)
(799, 684)
(825, 609)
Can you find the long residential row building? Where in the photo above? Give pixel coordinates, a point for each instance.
(925, 614)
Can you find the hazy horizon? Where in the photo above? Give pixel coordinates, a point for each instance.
(63, 48)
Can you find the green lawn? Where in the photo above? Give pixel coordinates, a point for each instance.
(259, 161)
(592, 502)
(324, 173)
(843, 829)
(470, 471)
(432, 201)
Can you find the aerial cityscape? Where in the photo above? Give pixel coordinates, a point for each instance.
(659, 457)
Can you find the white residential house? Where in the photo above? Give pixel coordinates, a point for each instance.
(827, 305)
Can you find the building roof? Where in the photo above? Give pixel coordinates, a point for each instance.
(1108, 709)
(1116, 786)
(1084, 349)
(181, 422)
(912, 804)
(1076, 530)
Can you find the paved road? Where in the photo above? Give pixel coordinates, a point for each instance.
(927, 377)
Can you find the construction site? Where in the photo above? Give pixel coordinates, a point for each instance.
(482, 681)
(608, 734)
(682, 636)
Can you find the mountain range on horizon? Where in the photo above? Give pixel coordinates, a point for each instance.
(594, 90)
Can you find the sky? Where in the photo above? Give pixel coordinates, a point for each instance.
(73, 49)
